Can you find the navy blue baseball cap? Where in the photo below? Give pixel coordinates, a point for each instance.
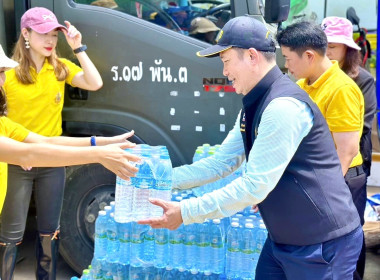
(242, 32)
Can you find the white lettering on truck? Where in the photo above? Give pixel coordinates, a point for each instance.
(158, 73)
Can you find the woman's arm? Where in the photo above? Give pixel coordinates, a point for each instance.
(113, 157)
(80, 141)
(90, 78)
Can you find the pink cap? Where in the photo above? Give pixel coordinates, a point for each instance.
(339, 30)
(40, 20)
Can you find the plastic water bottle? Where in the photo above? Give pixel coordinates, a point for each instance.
(86, 275)
(122, 272)
(138, 266)
(159, 273)
(190, 246)
(108, 210)
(248, 247)
(100, 249)
(136, 273)
(124, 235)
(109, 271)
(203, 244)
(198, 155)
(207, 275)
(96, 269)
(184, 195)
(217, 248)
(190, 193)
(112, 204)
(206, 147)
(182, 273)
(176, 246)
(112, 240)
(169, 274)
(194, 274)
(137, 242)
(161, 247)
(163, 186)
(123, 200)
(143, 186)
(241, 218)
(261, 237)
(233, 252)
(149, 245)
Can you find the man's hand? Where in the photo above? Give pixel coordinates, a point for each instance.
(171, 218)
(255, 208)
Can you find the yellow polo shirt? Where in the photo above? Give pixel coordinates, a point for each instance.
(38, 106)
(340, 101)
(17, 132)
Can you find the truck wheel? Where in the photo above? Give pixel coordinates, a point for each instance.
(88, 189)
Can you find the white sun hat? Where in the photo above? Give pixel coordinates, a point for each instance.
(5, 61)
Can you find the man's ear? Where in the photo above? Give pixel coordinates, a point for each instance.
(310, 54)
(253, 54)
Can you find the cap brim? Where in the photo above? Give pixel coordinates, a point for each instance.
(47, 27)
(213, 51)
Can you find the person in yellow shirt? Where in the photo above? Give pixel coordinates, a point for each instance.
(340, 100)
(35, 97)
(23, 147)
(342, 48)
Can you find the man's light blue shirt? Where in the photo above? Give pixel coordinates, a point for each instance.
(284, 123)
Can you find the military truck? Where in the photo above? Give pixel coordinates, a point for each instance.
(154, 84)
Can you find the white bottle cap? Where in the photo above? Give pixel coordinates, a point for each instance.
(249, 225)
(234, 224)
(216, 221)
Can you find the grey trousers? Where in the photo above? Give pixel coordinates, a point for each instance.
(47, 185)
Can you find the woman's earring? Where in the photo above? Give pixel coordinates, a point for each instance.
(27, 45)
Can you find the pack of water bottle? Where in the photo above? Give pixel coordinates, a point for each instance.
(153, 180)
(216, 249)
(204, 151)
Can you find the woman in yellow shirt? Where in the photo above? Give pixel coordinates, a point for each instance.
(20, 146)
(35, 93)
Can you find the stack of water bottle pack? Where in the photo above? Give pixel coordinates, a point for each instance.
(217, 249)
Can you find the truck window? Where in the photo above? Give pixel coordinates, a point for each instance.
(175, 15)
(318, 10)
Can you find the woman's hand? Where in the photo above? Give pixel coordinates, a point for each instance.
(123, 138)
(114, 158)
(73, 36)
(26, 168)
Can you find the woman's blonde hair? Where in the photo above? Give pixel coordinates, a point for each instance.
(3, 103)
(22, 56)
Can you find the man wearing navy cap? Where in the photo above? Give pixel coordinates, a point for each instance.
(293, 173)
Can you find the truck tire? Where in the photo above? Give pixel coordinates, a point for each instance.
(88, 189)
